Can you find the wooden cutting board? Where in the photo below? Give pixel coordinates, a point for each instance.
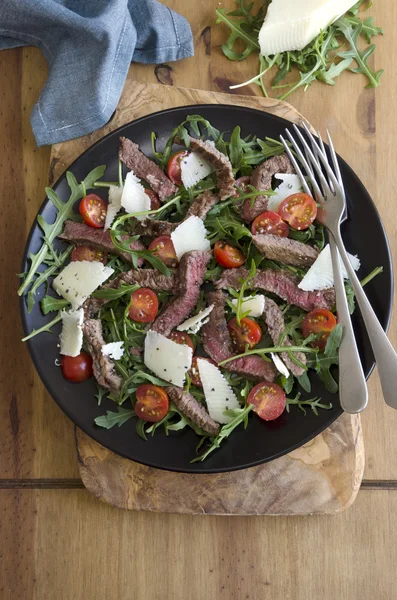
(322, 476)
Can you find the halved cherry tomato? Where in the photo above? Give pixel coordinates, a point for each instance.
(93, 210)
(88, 253)
(299, 210)
(228, 256)
(321, 321)
(164, 249)
(144, 306)
(174, 167)
(180, 337)
(270, 222)
(242, 183)
(268, 399)
(152, 402)
(194, 373)
(154, 199)
(248, 333)
(77, 368)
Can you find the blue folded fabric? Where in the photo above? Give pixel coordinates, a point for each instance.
(89, 45)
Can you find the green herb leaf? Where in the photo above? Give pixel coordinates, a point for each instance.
(51, 304)
(240, 31)
(115, 418)
(313, 403)
(115, 293)
(46, 327)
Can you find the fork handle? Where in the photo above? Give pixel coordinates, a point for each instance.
(353, 392)
(385, 355)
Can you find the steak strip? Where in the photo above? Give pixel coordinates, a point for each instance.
(146, 169)
(218, 345)
(275, 324)
(102, 366)
(285, 250)
(194, 411)
(81, 234)
(282, 284)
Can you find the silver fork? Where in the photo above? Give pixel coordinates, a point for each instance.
(331, 197)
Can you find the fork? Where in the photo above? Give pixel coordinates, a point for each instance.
(332, 201)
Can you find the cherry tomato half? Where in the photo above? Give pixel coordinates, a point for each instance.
(93, 210)
(321, 321)
(228, 256)
(164, 249)
(88, 253)
(180, 337)
(174, 167)
(248, 333)
(270, 222)
(299, 210)
(144, 306)
(194, 373)
(152, 402)
(268, 399)
(242, 183)
(77, 368)
(154, 199)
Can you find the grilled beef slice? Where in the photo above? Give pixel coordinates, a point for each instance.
(285, 250)
(221, 164)
(201, 206)
(261, 179)
(190, 279)
(194, 411)
(102, 366)
(281, 283)
(275, 324)
(81, 234)
(146, 169)
(218, 345)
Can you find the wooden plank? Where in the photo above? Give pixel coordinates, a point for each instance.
(67, 545)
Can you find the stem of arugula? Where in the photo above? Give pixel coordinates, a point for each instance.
(261, 351)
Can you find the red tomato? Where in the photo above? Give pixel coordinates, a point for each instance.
(154, 199)
(194, 372)
(152, 402)
(299, 210)
(241, 183)
(164, 249)
(144, 306)
(93, 210)
(77, 368)
(174, 167)
(90, 254)
(268, 400)
(319, 320)
(180, 337)
(247, 333)
(270, 222)
(228, 256)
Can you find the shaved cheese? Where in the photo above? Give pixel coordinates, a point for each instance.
(194, 324)
(219, 395)
(115, 193)
(254, 304)
(134, 199)
(71, 338)
(278, 363)
(166, 358)
(190, 235)
(113, 350)
(320, 276)
(194, 169)
(79, 279)
(290, 184)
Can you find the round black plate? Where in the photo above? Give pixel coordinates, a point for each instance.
(363, 234)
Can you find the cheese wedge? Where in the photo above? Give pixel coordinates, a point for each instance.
(134, 199)
(115, 193)
(190, 235)
(219, 395)
(320, 276)
(290, 184)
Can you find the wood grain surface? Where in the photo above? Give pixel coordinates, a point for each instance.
(63, 543)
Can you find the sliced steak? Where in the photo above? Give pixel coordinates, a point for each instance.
(146, 169)
(194, 411)
(191, 273)
(218, 344)
(282, 284)
(275, 324)
(81, 234)
(261, 179)
(285, 250)
(102, 366)
(201, 206)
(153, 228)
(220, 162)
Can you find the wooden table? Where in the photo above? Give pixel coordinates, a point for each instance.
(58, 542)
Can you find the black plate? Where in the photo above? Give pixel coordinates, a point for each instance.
(363, 234)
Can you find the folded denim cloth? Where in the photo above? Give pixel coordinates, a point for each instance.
(89, 45)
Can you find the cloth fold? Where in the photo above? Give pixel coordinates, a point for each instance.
(89, 45)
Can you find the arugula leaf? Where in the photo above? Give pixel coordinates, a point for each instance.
(325, 360)
(46, 327)
(115, 418)
(115, 293)
(50, 304)
(304, 382)
(100, 394)
(313, 403)
(140, 428)
(240, 31)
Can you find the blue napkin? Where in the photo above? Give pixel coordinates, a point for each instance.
(89, 45)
